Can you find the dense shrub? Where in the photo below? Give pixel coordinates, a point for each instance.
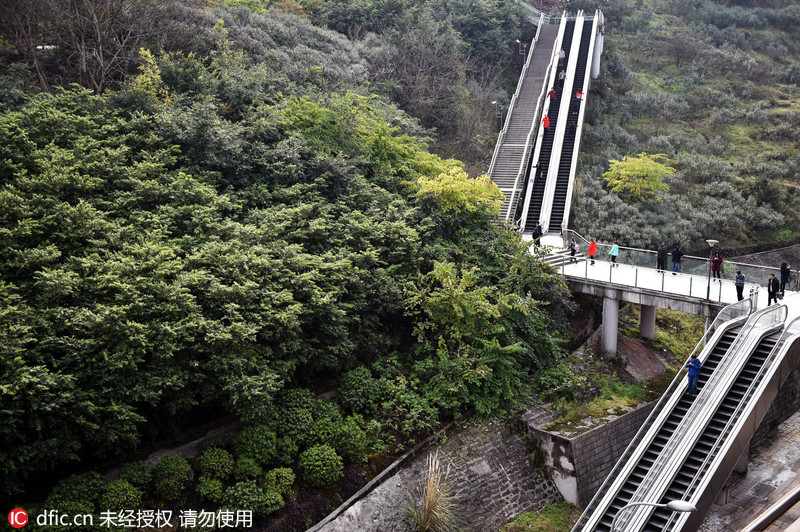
(321, 466)
(257, 442)
(279, 480)
(216, 463)
(246, 469)
(210, 489)
(138, 474)
(248, 496)
(322, 432)
(359, 391)
(171, 477)
(84, 488)
(350, 440)
(120, 495)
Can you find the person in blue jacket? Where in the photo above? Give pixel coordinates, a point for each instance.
(694, 366)
(613, 254)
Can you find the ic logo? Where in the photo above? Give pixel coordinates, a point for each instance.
(18, 518)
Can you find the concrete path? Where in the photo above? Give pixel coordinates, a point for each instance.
(773, 470)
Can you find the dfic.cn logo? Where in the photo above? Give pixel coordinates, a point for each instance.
(18, 518)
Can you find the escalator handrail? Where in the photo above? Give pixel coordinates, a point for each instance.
(790, 332)
(729, 317)
(671, 457)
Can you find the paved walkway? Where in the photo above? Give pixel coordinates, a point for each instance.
(773, 471)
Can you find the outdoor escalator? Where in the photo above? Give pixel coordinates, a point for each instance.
(667, 429)
(709, 439)
(545, 151)
(568, 146)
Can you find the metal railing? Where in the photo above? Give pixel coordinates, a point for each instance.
(690, 265)
(728, 318)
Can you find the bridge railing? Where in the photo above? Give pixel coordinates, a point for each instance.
(690, 265)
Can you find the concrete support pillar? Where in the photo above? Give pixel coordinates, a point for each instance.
(610, 325)
(647, 322)
(741, 465)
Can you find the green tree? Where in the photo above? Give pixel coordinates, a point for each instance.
(639, 179)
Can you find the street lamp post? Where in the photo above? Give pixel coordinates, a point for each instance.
(711, 243)
(675, 506)
(498, 113)
(522, 48)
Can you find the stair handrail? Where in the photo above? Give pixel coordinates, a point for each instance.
(790, 332)
(523, 167)
(728, 317)
(501, 136)
(670, 458)
(536, 128)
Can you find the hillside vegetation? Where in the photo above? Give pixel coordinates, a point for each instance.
(229, 223)
(714, 86)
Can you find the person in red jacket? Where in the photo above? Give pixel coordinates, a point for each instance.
(546, 122)
(552, 94)
(716, 265)
(592, 250)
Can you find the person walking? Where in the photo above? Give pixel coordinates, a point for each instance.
(592, 250)
(739, 283)
(677, 255)
(785, 273)
(552, 94)
(716, 265)
(614, 253)
(537, 234)
(573, 249)
(546, 122)
(661, 258)
(694, 366)
(773, 287)
(561, 57)
(562, 75)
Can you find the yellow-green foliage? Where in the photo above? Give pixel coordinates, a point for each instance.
(558, 517)
(149, 78)
(640, 178)
(457, 192)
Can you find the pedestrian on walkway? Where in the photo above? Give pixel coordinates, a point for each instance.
(739, 283)
(537, 234)
(694, 366)
(573, 249)
(785, 273)
(773, 287)
(677, 255)
(716, 265)
(592, 250)
(613, 253)
(661, 258)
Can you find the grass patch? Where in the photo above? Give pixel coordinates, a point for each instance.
(559, 517)
(678, 332)
(614, 399)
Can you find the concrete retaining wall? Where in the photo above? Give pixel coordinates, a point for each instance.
(580, 464)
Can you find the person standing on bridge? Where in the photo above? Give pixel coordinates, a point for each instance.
(694, 366)
(613, 253)
(677, 255)
(739, 283)
(716, 265)
(592, 250)
(773, 287)
(785, 273)
(537, 234)
(661, 258)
